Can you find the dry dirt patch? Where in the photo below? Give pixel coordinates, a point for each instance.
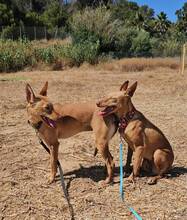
(24, 165)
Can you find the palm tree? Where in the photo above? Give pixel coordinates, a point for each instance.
(182, 19)
(162, 24)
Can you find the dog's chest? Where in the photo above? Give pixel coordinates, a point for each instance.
(111, 131)
(133, 134)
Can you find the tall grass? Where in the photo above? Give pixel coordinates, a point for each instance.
(140, 64)
(15, 55)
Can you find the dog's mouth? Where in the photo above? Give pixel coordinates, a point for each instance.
(107, 111)
(49, 121)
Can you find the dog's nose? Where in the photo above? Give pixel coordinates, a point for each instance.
(28, 122)
(98, 104)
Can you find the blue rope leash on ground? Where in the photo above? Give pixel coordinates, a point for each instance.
(136, 215)
(121, 171)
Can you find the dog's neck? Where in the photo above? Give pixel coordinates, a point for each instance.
(126, 117)
(124, 110)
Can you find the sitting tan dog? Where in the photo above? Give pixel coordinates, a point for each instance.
(144, 138)
(55, 121)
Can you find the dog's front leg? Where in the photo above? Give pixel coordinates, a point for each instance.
(104, 151)
(53, 160)
(138, 156)
(129, 159)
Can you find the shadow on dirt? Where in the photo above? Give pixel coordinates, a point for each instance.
(177, 171)
(98, 173)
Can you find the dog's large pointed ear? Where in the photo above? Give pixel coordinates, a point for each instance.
(30, 96)
(43, 92)
(130, 91)
(124, 86)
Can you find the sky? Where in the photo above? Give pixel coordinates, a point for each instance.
(168, 6)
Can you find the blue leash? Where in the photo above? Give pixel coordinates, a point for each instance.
(136, 215)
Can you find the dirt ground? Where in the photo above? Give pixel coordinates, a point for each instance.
(24, 165)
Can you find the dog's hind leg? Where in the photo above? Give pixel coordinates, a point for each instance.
(162, 163)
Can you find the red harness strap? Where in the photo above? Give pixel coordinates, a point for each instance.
(124, 121)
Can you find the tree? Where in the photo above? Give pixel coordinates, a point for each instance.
(144, 18)
(125, 11)
(182, 19)
(33, 19)
(6, 15)
(54, 15)
(91, 3)
(162, 24)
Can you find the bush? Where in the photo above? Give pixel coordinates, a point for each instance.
(95, 25)
(20, 54)
(141, 45)
(167, 48)
(82, 52)
(16, 55)
(171, 48)
(46, 55)
(124, 41)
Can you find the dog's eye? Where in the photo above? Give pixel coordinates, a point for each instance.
(49, 109)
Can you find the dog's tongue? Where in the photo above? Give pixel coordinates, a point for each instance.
(101, 113)
(51, 123)
(105, 111)
(48, 121)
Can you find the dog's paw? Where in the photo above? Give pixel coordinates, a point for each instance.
(51, 180)
(105, 182)
(152, 181)
(131, 179)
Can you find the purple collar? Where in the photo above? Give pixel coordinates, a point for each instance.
(124, 121)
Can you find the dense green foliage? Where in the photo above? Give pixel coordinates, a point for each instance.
(98, 29)
(23, 53)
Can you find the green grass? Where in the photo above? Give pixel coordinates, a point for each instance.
(13, 78)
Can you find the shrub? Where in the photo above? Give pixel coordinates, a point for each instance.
(171, 48)
(124, 40)
(16, 55)
(167, 48)
(82, 52)
(141, 45)
(95, 25)
(46, 55)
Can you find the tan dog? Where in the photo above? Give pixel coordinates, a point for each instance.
(54, 121)
(144, 139)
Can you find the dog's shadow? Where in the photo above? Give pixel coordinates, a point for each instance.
(177, 171)
(98, 172)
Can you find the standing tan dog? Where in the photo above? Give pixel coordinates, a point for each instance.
(144, 139)
(54, 121)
